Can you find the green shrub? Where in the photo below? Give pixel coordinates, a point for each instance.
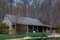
(58, 30)
(4, 29)
(37, 34)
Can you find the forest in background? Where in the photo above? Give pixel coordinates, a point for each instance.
(47, 11)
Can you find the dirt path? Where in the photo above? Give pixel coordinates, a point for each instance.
(16, 39)
(54, 35)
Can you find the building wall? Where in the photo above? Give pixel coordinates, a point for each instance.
(20, 28)
(8, 22)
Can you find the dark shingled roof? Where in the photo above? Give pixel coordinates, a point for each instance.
(25, 20)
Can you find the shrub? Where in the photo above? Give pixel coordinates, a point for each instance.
(3, 28)
(37, 34)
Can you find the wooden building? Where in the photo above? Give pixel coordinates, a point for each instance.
(19, 24)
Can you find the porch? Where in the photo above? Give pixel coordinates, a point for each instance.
(31, 28)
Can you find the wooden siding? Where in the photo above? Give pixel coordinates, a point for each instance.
(20, 28)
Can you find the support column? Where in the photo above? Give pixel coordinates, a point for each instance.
(37, 29)
(47, 29)
(15, 28)
(27, 31)
(51, 29)
(33, 28)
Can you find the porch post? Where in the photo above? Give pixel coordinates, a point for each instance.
(47, 29)
(33, 28)
(27, 30)
(51, 29)
(37, 29)
(15, 28)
